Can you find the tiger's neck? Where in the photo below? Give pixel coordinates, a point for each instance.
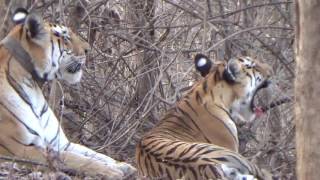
(201, 118)
(23, 84)
(203, 115)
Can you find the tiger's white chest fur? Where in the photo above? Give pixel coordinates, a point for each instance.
(26, 101)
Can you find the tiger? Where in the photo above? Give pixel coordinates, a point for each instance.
(197, 138)
(35, 52)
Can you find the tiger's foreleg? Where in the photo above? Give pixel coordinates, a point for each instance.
(89, 153)
(71, 160)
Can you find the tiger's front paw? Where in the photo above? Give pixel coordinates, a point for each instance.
(113, 175)
(108, 173)
(126, 168)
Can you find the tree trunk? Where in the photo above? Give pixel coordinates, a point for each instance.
(307, 89)
(142, 16)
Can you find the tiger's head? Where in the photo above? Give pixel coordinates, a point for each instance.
(237, 82)
(55, 51)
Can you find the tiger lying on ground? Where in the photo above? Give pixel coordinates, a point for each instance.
(32, 53)
(197, 138)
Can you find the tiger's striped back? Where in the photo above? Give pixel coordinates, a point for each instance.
(197, 138)
(175, 159)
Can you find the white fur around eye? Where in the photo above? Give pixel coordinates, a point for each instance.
(248, 61)
(19, 16)
(57, 29)
(61, 31)
(64, 30)
(202, 62)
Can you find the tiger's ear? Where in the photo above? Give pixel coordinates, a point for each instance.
(35, 27)
(232, 71)
(203, 64)
(20, 15)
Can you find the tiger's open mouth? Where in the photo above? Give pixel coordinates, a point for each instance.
(263, 85)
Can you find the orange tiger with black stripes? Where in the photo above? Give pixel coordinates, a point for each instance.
(35, 52)
(197, 138)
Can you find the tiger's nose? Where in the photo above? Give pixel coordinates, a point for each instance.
(265, 83)
(86, 51)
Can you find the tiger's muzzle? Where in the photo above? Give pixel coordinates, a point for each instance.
(77, 63)
(265, 83)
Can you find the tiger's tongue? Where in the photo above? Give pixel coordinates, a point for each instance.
(258, 111)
